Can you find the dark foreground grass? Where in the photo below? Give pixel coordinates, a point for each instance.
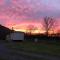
(2, 58)
(51, 48)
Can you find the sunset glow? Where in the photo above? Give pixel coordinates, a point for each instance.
(20, 14)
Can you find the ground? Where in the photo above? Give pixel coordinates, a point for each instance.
(29, 51)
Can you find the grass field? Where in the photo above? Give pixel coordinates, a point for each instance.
(40, 47)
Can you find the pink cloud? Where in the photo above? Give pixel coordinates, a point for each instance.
(1, 2)
(25, 12)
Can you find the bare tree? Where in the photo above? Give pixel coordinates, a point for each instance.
(31, 29)
(48, 24)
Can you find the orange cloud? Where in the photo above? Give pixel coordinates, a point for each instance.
(20, 13)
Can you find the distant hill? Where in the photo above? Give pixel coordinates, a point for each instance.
(4, 31)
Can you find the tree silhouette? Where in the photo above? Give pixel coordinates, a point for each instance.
(48, 24)
(31, 29)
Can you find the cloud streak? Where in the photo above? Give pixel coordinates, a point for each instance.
(17, 11)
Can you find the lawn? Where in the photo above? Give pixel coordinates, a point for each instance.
(39, 48)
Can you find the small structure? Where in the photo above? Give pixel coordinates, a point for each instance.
(15, 36)
(36, 40)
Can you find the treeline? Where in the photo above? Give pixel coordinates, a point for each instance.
(41, 37)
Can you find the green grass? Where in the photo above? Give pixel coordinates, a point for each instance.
(41, 47)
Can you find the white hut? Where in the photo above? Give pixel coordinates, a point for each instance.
(15, 36)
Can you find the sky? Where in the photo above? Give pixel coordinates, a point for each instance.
(22, 13)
